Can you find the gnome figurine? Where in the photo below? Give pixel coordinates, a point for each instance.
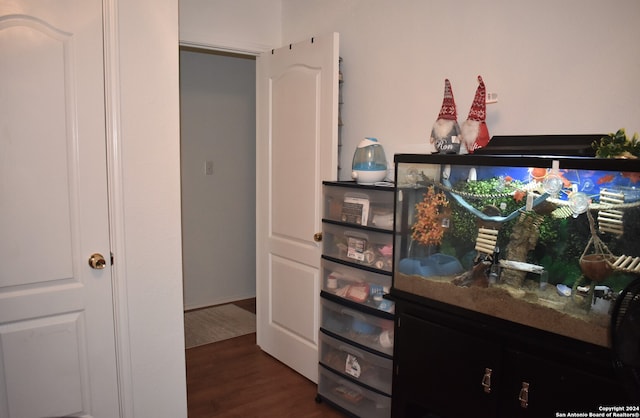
(474, 130)
(445, 132)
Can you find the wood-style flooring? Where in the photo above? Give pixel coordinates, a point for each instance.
(234, 378)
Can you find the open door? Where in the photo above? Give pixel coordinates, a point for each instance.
(296, 149)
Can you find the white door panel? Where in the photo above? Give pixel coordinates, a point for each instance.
(296, 149)
(295, 139)
(57, 347)
(295, 249)
(293, 290)
(31, 50)
(27, 345)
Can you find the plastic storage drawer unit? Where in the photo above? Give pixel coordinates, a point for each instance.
(367, 329)
(359, 364)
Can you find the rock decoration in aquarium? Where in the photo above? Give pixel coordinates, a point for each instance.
(618, 145)
(445, 134)
(474, 131)
(523, 239)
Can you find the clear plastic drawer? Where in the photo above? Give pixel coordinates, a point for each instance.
(371, 369)
(362, 328)
(368, 206)
(352, 397)
(365, 247)
(361, 286)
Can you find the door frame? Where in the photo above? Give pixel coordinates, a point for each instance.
(223, 47)
(115, 188)
(114, 95)
(240, 49)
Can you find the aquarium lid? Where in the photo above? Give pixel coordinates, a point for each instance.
(568, 145)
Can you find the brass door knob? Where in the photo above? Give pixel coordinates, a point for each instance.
(317, 237)
(97, 261)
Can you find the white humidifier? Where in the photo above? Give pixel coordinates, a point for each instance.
(369, 162)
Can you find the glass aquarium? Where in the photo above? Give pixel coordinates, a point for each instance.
(546, 242)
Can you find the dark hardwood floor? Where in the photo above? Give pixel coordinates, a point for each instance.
(234, 378)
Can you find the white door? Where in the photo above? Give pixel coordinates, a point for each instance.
(57, 349)
(297, 131)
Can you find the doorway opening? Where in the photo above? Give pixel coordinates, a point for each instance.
(218, 177)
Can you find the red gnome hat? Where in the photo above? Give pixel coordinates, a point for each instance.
(478, 113)
(479, 107)
(448, 109)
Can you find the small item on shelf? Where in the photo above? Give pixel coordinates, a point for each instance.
(618, 145)
(377, 291)
(369, 162)
(332, 281)
(350, 395)
(445, 134)
(352, 366)
(356, 248)
(369, 257)
(563, 290)
(363, 327)
(386, 339)
(358, 292)
(474, 131)
(382, 220)
(342, 291)
(384, 262)
(355, 210)
(387, 306)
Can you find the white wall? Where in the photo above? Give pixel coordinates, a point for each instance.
(217, 108)
(559, 67)
(238, 25)
(148, 252)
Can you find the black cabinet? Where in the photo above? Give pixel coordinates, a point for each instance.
(536, 386)
(451, 364)
(439, 369)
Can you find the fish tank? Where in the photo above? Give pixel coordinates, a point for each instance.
(543, 241)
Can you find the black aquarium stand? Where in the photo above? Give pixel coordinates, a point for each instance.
(450, 362)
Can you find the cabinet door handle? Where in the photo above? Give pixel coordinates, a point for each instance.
(524, 395)
(486, 380)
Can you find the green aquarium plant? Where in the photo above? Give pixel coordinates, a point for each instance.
(618, 145)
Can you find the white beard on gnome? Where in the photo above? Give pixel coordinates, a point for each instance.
(442, 130)
(469, 131)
